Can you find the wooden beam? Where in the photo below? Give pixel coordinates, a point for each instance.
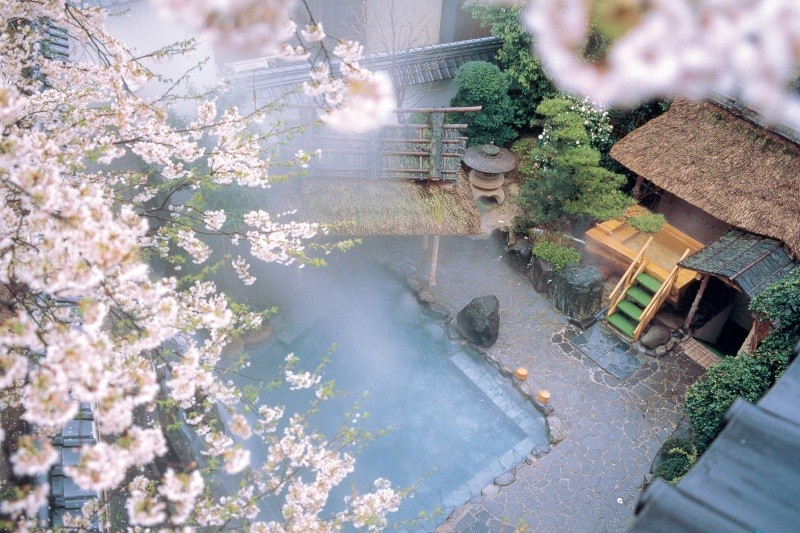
(637, 189)
(696, 302)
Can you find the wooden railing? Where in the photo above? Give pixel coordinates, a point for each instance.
(658, 299)
(629, 278)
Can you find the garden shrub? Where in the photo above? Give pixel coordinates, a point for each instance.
(708, 399)
(529, 82)
(482, 83)
(674, 467)
(563, 174)
(525, 149)
(648, 222)
(748, 376)
(556, 254)
(780, 304)
(678, 454)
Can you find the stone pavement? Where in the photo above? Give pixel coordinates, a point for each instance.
(591, 480)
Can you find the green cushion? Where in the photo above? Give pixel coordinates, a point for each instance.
(640, 296)
(649, 282)
(631, 309)
(622, 324)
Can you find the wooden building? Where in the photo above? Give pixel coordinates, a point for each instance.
(734, 186)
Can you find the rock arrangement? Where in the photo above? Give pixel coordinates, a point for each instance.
(575, 291)
(659, 340)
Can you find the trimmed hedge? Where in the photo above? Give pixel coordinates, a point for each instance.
(707, 400)
(557, 255)
(648, 222)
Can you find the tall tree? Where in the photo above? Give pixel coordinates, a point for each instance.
(563, 174)
(94, 180)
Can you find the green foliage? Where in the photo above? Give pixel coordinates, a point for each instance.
(674, 467)
(707, 400)
(648, 222)
(780, 304)
(529, 82)
(626, 120)
(562, 173)
(481, 83)
(556, 254)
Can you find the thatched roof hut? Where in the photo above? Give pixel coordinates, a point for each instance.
(734, 170)
(356, 207)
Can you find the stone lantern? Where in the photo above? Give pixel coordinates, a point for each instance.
(488, 167)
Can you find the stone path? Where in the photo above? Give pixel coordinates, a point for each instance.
(591, 480)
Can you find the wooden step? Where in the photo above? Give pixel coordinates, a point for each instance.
(631, 309)
(649, 282)
(622, 324)
(639, 296)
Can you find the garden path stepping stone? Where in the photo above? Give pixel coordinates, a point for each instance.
(608, 350)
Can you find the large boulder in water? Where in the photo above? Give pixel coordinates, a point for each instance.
(479, 321)
(577, 291)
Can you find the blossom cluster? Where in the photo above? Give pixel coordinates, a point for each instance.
(355, 100)
(358, 100)
(89, 174)
(746, 49)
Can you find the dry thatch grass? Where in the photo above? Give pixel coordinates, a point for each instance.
(732, 169)
(390, 207)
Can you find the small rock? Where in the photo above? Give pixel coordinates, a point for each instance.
(655, 336)
(490, 490)
(504, 480)
(558, 431)
(425, 296)
(519, 255)
(661, 351)
(530, 459)
(436, 310)
(506, 371)
(414, 284)
(540, 451)
(453, 334)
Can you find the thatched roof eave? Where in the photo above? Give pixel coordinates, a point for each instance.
(734, 170)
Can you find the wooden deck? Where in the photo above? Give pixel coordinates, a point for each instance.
(616, 243)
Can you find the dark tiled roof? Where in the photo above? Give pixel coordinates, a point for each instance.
(749, 260)
(747, 480)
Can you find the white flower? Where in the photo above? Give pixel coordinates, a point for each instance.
(313, 34)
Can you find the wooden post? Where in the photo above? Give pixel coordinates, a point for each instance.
(696, 302)
(637, 189)
(434, 260)
(436, 121)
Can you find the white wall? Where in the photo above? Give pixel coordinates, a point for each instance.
(140, 26)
